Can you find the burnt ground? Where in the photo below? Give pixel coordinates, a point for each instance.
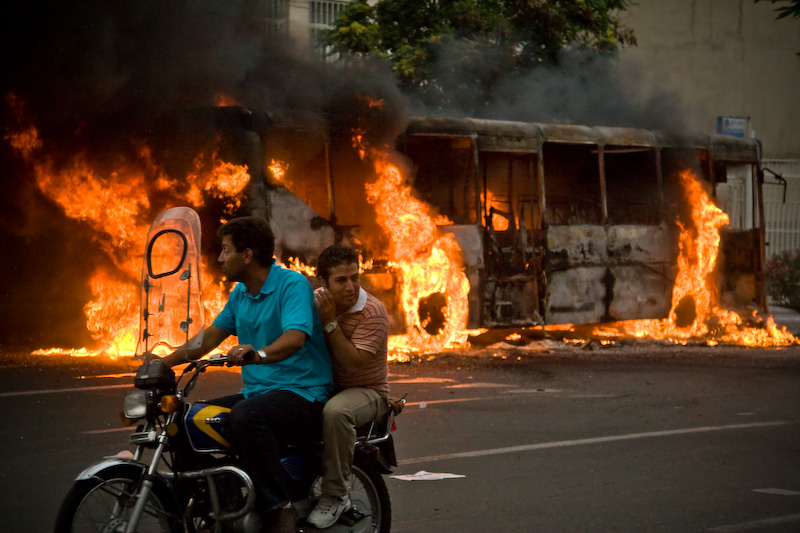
(501, 354)
(530, 347)
(512, 349)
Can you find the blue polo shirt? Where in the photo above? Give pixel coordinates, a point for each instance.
(286, 301)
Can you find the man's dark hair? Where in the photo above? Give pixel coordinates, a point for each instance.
(253, 233)
(333, 256)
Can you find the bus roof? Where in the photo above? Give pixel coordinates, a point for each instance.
(510, 136)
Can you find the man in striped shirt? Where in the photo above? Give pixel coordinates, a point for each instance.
(356, 329)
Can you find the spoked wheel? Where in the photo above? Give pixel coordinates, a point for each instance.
(369, 482)
(369, 495)
(104, 504)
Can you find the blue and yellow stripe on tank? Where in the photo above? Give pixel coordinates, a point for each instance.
(208, 427)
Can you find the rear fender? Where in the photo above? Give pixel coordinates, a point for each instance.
(380, 455)
(387, 457)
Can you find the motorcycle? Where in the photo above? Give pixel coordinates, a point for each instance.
(184, 475)
(193, 482)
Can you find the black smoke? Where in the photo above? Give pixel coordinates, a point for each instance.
(101, 78)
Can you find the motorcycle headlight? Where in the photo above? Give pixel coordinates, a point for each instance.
(135, 406)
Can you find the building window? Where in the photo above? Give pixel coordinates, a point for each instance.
(323, 15)
(276, 18)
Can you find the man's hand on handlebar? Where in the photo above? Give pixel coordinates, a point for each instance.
(242, 354)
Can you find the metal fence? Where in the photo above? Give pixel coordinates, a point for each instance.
(782, 204)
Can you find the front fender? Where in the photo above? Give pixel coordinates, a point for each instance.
(109, 462)
(127, 476)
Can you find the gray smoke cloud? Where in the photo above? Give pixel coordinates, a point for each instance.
(582, 88)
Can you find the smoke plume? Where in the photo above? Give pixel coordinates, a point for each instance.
(99, 79)
(582, 88)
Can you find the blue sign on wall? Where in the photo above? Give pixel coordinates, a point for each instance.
(733, 126)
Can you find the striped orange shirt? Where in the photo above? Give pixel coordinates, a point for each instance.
(368, 330)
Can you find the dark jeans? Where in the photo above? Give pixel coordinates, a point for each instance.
(260, 426)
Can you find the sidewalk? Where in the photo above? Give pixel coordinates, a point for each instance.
(784, 316)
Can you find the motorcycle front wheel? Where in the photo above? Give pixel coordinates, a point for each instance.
(103, 503)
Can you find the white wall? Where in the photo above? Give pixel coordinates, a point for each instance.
(723, 57)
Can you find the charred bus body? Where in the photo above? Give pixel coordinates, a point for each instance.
(574, 224)
(557, 223)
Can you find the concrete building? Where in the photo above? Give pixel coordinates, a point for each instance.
(731, 58)
(724, 58)
(299, 20)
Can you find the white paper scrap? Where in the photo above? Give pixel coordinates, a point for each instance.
(426, 476)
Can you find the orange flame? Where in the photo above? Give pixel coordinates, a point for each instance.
(429, 262)
(278, 170)
(298, 266)
(499, 223)
(371, 102)
(25, 139)
(115, 205)
(224, 100)
(698, 255)
(359, 143)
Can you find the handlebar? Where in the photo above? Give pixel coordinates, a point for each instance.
(216, 359)
(199, 366)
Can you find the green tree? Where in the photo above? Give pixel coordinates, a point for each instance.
(790, 8)
(458, 50)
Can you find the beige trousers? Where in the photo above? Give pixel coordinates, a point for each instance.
(343, 413)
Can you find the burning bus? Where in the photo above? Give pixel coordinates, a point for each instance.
(574, 224)
(554, 224)
(462, 223)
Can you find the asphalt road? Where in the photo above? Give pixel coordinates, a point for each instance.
(672, 440)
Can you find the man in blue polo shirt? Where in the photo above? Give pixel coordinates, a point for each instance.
(286, 369)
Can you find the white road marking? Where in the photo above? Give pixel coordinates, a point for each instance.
(420, 380)
(520, 391)
(593, 440)
(450, 400)
(778, 492)
(510, 392)
(474, 399)
(56, 391)
(478, 385)
(109, 430)
(757, 525)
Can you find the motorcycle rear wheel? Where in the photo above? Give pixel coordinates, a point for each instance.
(104, 503)
(367, 480)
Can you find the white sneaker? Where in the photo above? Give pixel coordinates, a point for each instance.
(328, 511)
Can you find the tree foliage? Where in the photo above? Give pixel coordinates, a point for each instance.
(460, 49)
(790, 8)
